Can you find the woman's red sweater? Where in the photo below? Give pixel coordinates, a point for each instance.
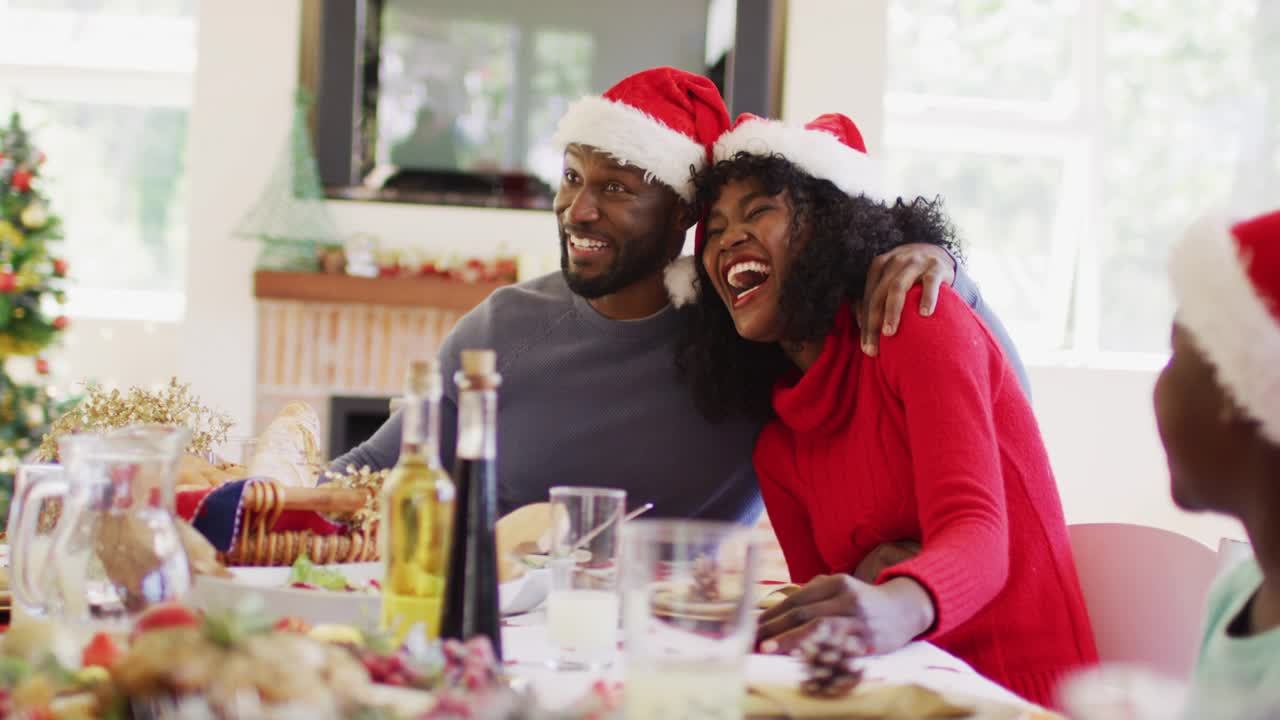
(932, 440)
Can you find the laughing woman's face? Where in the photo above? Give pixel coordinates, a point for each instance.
(748, 254)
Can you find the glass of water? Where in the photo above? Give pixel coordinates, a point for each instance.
(686, 587)
(583, 604)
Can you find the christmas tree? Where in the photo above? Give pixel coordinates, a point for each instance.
(31, 296)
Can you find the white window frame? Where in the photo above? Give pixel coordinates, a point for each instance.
(1071, 133)
(132, 78)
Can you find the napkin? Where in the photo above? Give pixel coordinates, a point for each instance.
(217, 514)
(869, 700)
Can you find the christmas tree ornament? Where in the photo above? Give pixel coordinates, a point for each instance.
(60, 267)
(8, 282)
(21, 180)
(829, 656)
(290, 218)
(42, 366)
(61, 322)
(34, 216)
(10, 234)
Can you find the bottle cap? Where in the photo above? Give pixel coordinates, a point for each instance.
(479, 362)
(423, 376)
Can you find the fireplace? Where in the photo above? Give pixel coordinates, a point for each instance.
(352, 420)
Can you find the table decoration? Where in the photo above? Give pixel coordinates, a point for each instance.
(830, 657)
(102, 410)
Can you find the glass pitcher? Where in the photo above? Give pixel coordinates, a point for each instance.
(29, 550)
(116, 549)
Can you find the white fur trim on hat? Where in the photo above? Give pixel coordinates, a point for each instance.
(1229, 322)
(633, 137)
(681, 279)
(818, 153)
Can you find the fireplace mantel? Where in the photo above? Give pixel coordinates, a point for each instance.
(430, 292)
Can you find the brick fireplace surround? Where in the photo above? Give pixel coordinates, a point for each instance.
(321, 336)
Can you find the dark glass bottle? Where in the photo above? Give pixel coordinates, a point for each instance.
(471, 590)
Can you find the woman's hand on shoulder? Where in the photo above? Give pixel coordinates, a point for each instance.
(882, 618)
(891, 276)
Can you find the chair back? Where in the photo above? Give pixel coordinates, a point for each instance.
(1145, 590)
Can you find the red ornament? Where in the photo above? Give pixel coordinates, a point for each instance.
(61, 322)
(21, 180)
(60, 267)
(8, 281)
(42, 366)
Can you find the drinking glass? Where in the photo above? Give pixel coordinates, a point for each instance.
(583, 604)
(236, 450)
(687, 589)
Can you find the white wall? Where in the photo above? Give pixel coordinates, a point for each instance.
(1097, 424)
(117, 353)
(1100, 430)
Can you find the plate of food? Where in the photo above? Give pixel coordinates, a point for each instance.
(346, 593)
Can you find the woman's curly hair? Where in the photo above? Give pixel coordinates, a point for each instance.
(732, 376)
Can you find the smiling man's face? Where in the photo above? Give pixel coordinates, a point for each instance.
(616, 227)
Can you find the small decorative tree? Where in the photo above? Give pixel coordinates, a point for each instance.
(290, 218)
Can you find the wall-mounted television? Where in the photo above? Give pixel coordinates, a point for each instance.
(455, 101)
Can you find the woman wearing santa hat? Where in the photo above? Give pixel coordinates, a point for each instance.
(1218, 409)
(930, 440)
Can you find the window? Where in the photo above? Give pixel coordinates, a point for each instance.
(1074, 140)
(475, 95)
(105, 87)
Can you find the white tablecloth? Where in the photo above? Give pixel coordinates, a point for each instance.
(528, 650)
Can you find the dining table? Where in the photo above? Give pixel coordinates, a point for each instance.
(529, 654)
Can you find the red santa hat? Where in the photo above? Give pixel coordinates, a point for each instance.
(1226, 281)
(829, 147)
(662, 120)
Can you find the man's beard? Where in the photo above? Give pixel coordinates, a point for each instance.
(632, 262)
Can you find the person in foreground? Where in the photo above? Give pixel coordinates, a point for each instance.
(931, 440)
(1217, 406)
(590, 394)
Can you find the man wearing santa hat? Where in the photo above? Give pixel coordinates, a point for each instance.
(590, 393)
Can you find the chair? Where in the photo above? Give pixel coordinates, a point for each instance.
(1145, 590)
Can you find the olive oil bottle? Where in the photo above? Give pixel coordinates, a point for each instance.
(417, 513)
